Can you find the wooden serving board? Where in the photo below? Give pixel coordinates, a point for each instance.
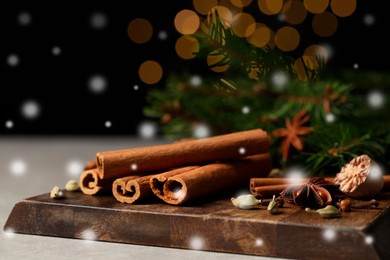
(215, 225)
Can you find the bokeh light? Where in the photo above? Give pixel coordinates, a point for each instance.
(318, 51)
(343, 8)
(324, 24)
(162, 35)
(270, 7)
(243, 25)
(140, 30)
(108, 124)
(369, 19)
(150, 72)
(279, 80)
(294, 12)
(30, 109)
(187, 47)
(261, 36)
(204, 6)
(330, 118)
(241, 3)
(316, 6)
(287, 38)
(245, 110)
(186, 22)
(213, 60)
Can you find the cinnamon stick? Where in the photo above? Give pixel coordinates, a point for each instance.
(91, 184)
(157, 181)
(215, 177)
(133, 161)
(268, 191)
(131, 188)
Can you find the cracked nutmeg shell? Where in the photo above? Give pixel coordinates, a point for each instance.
(360, 178)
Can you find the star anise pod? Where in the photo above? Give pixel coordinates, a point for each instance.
(316, 193)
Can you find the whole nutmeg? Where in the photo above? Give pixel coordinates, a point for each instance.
(360, 178)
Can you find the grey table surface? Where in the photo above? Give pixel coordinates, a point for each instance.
(32, 165)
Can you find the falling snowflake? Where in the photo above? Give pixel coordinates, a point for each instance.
(279, 80)
(245, 110)
(147, 129)
(97, 84)
(369, 19)
(17, 167)
(9, 124)
(13, 60)
(134, 166)
(56, 50)
(196, 81)
(259, 242)
(108, 124)
(196, 243)
(201, 130)
(30, 109)
(355, 66)
(162, 35)
(294, 174)
(24, 18)
(9, 232)
(88, 234)
(242, 150)
(74, 168)
(135, 87)
(98, 21)
(330, 118)
(369, 240)
(375, 99)
(329, 234)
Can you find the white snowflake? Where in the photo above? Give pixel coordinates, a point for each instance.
(196, 242)
(74, 168)
(88, 234)
(24, 18)
(375, 99)
(97, 84)
(369, 19)
(98, 20)
(163, 35)
(201, 130)
(330, 118)
(279, 80)
(56, 50)
(108, 124)
(245, 110)
(355, 66)
(329, 234)
(242, 150)
(147, 129)
(18, 167)
(13, 60)
(30, 109)
(9, 124)
(196, 81)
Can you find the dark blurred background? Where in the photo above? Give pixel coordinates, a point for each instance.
(69, 68)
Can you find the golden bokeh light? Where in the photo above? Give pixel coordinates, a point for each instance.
(140, 30)
(187, 22)
(287, 38)
(261, 36)
(324, 24)
(300, 70)
(213, 58)
(150, 72)
(294, 12)
(204, 6)
(229, 5)
(343, 8)
(270, 7)
(186, 47)
(316, 6)
(225, 15)
(243, 24)
(241, 3)
(317, 50)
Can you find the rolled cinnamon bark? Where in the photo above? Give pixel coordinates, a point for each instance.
(131, 188)
(268, 190)
(215, 177)
(157, 181)
(133, 161)
(91, 184)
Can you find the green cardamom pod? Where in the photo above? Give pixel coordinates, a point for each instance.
(273, 207)
(329, 211)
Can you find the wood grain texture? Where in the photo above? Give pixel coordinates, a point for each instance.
(212, 226)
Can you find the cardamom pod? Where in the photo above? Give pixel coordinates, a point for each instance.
(72, 185)
(329, 211)
(56, 193)
(247, 201)
(273, 207)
